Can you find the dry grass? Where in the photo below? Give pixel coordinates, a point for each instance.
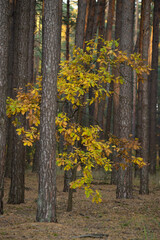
(138, 218)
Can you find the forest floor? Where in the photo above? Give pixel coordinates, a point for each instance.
(113, 219)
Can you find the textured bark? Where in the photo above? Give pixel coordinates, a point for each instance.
(10, 89)
(20, 76)
(3, 91)
(116, 87)
(71, 190)
(31, 41)
(139, 89)
(153, 89)
(46, 211)
(80, 24)
(110, 18)
(90, 22)
(134, 72)
(124, 183)
(144, 178)
(35, 167)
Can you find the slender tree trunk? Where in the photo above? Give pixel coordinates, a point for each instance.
(46, 211)
(10, 126)
(124, 183)
(31, 41)
(79, 40)
(90, 35)
(35, 167)
(144, 178)
(134, 72)
(153, 88)
(108, 37)
(67, 29)
(139, 89)
(3, 91)
(101, 33)
(20, 77)
(116, 87)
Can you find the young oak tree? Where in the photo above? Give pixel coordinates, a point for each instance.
(74, 81)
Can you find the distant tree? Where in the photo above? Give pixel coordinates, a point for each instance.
(46, 211)
(124, 182)
(116, 86)
(101, 32)
(153, 89)
(20, 77)
(9, 88)
(31, 40)
(108, 36)
(90, 31)
(144, 177)
(79, 41)
(3, 91)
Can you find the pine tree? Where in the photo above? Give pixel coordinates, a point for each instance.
(46, 211)
(3, 91)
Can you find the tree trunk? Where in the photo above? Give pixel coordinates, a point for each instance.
(116, 87)
(20, 77)
(134, 72)
(46, 211)
(101, 33)
(10, 126)
(144, 178)
(139, 90)
(35, 167)
(108, 37)
(3, 91)
(80, 24)
(90, 35)
(79, 40)
(124, 183)
(153, 89)
(31, 41)
(67, 29)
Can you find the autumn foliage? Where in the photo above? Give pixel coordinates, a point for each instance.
(75, 79)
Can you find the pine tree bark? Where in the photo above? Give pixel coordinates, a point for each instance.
(144, 177)
(31, 40)
(3, 91)
(124, 183)
(153, 89)
(46, 208)
(80, 24)
(116, 87)
(20, 76)
(10, 126)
